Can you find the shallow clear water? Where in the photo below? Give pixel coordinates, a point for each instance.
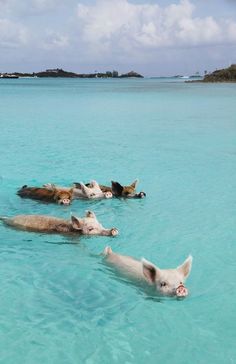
(59, 303)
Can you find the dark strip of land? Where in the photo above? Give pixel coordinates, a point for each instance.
(61, 73)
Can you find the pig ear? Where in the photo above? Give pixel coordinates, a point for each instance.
(76, 222)
(150, 271)
(134, 184)
(90, 214)
(84, 188)
(94, 184)
(54, 187)
(77, 185)
(116, 188)
(185, 268)
(56, 195)
(49, 186)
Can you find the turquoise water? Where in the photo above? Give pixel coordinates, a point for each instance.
(59, 303)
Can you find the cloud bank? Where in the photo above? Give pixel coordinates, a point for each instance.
(126, 25)
(108, 31)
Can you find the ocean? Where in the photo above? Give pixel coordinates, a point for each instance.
(59, 302)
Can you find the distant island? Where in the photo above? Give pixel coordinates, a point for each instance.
(58, 72)
(222, 75)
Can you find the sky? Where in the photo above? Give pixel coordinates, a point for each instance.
(154, 37)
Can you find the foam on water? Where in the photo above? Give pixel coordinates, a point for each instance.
(59, 303)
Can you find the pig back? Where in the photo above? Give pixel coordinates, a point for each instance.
(126, 265)
(38, 223)
(37, 193)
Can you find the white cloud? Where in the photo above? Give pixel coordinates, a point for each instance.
(12, 34)
(42, 5)
(17, 28)
(231, 30)
(123, 26)
(19, 8)
(55, 40)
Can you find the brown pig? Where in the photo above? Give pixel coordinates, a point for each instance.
(57, 195)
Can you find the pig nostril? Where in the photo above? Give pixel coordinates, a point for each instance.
(181, 291)
(114, 232)
(66, 202)
(108, 194)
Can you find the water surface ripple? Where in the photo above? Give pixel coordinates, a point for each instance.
(59, 303)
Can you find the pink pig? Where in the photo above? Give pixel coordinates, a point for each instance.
(168, 282)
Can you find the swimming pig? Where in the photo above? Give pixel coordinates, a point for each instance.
(90, 191)
(60, 196)
(123, 191)
(80, 190)
(88, 225)
(168, 282)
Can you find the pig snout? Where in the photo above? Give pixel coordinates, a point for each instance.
(114, 232)
(181, 291)
(141, 195)
(108, 194)
(65, 201)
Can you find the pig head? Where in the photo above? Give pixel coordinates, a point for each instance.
(89, 225)
(124, 191)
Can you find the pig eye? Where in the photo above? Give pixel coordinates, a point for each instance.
(90, 229)
(163, 284)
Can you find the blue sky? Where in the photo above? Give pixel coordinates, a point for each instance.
(155, 37)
